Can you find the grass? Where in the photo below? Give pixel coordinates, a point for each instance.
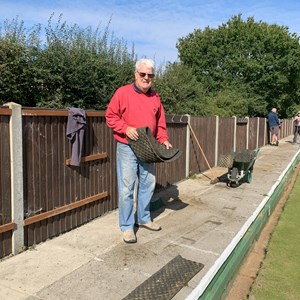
(279, 276)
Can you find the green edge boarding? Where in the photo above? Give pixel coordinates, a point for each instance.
(217, 289)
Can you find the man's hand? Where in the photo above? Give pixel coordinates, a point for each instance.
(132, 133)
(167, 144)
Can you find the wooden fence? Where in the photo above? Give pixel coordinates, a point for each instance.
(43, 196)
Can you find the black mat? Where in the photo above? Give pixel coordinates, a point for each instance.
(168, 281)
(148, 149)
(245, 156)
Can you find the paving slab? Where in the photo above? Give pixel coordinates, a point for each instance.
(198, 219)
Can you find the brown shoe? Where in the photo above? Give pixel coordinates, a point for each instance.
(129, 236)
(151, 226)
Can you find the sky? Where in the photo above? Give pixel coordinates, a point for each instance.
(153, 27)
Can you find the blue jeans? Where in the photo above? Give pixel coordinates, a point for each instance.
(130, 169)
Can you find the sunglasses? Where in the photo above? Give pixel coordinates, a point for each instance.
(144, 75)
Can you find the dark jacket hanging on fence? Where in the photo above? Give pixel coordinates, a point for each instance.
(75, 131)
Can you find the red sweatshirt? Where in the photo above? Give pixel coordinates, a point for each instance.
(131, 107)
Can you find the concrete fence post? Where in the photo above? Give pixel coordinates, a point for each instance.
(247, 135)
(265, 130)
(234, 132)
(217, 141)
(187, 150)
(257, 133)
(16, 167)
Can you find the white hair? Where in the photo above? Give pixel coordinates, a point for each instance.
(145, 61)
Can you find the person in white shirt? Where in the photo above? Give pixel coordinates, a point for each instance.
(296, 127)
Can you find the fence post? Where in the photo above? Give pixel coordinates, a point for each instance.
(217, 141)
(187, 147)
(247, 129)
(16, 166)
(265, 130)
(257, 133)
(234, 133)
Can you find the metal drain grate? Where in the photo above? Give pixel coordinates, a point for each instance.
(166, 282)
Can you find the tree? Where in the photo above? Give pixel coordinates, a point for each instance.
(17, 54)
(263, 60)
(82, 67)
(179, 90)
(74, 67)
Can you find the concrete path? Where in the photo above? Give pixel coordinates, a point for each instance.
(198, 221)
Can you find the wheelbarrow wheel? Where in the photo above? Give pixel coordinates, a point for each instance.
(234, 184)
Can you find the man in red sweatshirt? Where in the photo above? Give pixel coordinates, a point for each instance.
(132, 106)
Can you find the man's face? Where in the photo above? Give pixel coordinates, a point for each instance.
(142, 78)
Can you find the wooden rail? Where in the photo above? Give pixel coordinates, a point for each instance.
(89, 158)
(5, 111)
(57, 113)
(63, 209)
(7, 227)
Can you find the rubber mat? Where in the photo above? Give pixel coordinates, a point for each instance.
(148, 149)
(168, 281)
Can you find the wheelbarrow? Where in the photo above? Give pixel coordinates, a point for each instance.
(242, 167)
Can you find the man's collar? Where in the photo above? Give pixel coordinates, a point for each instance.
(139, 91)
